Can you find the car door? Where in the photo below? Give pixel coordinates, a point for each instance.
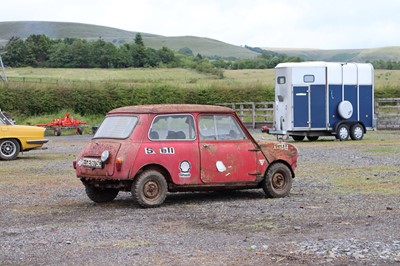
(227, 155)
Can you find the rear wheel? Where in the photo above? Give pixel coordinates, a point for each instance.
(149, 189)
(357, 132)
(342, 132)
(312, 138)
(298, 138)
(101, 195)
(278, 181)
(9, 149)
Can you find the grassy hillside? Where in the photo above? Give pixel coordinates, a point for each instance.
(343, 55)
(198, 45)
(203, 46)
(59, 30)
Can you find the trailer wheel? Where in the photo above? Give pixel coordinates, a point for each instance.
(356, 132)
(342, 132)
(150, 189)
(298, 138)
(312, 138)
(278, 181)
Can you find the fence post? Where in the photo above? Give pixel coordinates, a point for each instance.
(253, 112)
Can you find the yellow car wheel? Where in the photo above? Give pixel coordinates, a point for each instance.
(9, 149)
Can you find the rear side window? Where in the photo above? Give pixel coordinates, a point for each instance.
(220, 127)
(116, 127)
(172, 127)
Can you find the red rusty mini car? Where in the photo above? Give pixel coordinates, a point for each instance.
(150, 150)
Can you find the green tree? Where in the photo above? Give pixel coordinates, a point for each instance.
(16, 52)
(139, 39)
(38, 47)
(102, 54)
(166, 55)
(60, 55)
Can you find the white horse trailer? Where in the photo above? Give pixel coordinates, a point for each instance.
(315, 99)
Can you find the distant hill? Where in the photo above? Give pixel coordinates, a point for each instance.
(198, 45)
(343, 55)
(60, 30)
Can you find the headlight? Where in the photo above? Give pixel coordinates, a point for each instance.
(104, 156)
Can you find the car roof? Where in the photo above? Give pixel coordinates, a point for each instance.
(171, 108)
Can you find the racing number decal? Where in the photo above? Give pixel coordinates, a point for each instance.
(164, 150)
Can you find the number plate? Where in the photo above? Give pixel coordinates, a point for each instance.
(92, 163)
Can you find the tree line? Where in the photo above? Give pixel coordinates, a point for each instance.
(41, 51)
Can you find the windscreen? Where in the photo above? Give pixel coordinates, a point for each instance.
(116, 127)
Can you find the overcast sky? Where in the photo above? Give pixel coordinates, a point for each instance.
(323, 24)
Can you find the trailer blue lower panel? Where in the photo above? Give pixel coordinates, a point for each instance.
(350, 94)
(318, 103)
(300, 106)
(366, 103)
(335, 97)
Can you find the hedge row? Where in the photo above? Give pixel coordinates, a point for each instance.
(99, 98)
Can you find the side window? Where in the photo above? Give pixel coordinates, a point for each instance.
(220, 127)
(172, 127)
(281, 80)
(309, 78)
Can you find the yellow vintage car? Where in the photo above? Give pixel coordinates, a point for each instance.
(17, 138)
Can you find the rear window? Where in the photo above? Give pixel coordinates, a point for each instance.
(116, 127)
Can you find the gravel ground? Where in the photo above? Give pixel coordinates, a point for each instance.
(47, 219)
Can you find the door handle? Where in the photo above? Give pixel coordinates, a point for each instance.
(206, 145)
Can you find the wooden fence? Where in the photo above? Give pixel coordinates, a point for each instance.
(257, 114)
(254, 114)
(387, 112)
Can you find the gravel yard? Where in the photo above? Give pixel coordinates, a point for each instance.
(343, 209)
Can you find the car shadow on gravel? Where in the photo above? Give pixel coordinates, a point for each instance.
(124, 200)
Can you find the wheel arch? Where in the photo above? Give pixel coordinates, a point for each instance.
(155, 167)
(279, 161)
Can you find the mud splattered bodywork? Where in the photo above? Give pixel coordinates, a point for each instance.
(152, 149)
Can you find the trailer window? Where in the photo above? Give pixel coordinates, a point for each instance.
(281, 80)
(309, 78)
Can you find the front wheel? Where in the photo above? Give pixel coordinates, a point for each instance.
(149, 189)
(9, 149)
(343, 132)
(101, 195)
(278, 181)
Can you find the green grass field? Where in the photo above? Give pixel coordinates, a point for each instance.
(386, 81)
(383, 78)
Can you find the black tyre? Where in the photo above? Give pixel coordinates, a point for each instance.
(79, 131)
(312, 138)
(101, 195)
(356, 132)
(342, 132)
(57, 132)
(9, 149)
(278, 181)
(149, 189)
(298, 138)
